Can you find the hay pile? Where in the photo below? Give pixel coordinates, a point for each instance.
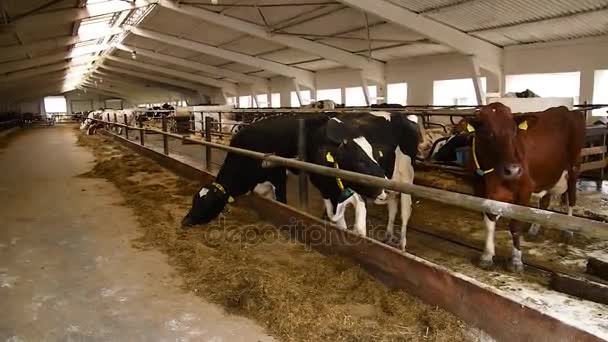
(245, 265)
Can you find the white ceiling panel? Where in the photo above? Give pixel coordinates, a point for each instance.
(321, 64)
(252, 46)
(289, 56)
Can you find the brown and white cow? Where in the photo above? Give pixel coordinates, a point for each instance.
(516, 156)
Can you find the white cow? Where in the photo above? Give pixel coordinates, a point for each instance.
(96, 114)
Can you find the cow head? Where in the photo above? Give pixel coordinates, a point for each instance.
(207, 204)
(352, 151)
(496, 147)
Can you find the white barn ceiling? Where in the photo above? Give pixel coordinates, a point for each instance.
(54, 46)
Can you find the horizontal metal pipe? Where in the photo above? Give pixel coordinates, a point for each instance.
(514, 211)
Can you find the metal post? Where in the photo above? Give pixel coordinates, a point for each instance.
(303, 177)
(115, 121)
(124, 116)
(165, 137)
(142, 133)
(208, 138)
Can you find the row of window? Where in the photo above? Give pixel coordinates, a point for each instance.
(445, 92)
(448, 92)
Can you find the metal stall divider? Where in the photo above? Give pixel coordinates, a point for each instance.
(165, 137)
(124, 117)
(207, 128)
(303, 177)
(142, 132)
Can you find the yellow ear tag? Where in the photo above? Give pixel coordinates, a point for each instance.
(380, 154)
(523, 125)
(470, 128)
(230, 199)
(330, 158)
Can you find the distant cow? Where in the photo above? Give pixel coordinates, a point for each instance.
(279, 135)
(516, 156)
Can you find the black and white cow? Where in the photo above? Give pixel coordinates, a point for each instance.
(279, 135)
(394, 141)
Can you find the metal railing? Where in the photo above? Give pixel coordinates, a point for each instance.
(522, 213)
(9, 124)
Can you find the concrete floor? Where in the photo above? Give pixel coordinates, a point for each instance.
(67, 269)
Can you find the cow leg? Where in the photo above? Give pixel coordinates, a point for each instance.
(543, 204)
(406, 211)
(360, 215)
(517, 264)
(280, 185)
(334, 218)
(572, 177)
(392, 205)
(487, 258)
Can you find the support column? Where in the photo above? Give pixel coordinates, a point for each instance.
(477, 84)
(298, 91)
(254, 99)
(365, 88)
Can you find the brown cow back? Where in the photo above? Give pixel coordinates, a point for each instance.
(552, 144)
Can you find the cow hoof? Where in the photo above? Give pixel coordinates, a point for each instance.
(516, 267)
(567, 236)
(534, 229)
(486, 263)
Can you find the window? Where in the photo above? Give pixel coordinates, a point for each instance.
(456, 92)
(305, 98)
(355, 96)
(600, 91)
(262, 100)
(565, 84)
(397, 93)
(55, 104)
(330, 94)
(231, 100)
(245, 102)
(275, 99)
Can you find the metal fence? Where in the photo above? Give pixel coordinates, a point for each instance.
(522, 213)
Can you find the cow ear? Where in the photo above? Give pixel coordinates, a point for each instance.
(525, 121)
(468, 125)
(336, 131)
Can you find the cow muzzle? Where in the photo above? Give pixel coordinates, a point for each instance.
(382, 198)
(512, 171)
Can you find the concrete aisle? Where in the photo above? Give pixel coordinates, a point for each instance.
(67, 269)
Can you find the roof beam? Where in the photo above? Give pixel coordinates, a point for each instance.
(371, 69)
(227, 86)
(130, 82)
(103, 92)
(133, 80)
(258, 82)
(148, 76)
(303, 77)
(125, 87)
(108, 87)
(53, 43)
(67, 16)
(38, 61)
(19, 75)
(489, 55)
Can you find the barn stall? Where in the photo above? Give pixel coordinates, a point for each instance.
(167, 84)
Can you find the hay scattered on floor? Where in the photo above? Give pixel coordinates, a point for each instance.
(245, 265)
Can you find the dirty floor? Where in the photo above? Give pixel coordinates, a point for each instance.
(67, 267)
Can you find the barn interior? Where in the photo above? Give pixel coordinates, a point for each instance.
(115, 113)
